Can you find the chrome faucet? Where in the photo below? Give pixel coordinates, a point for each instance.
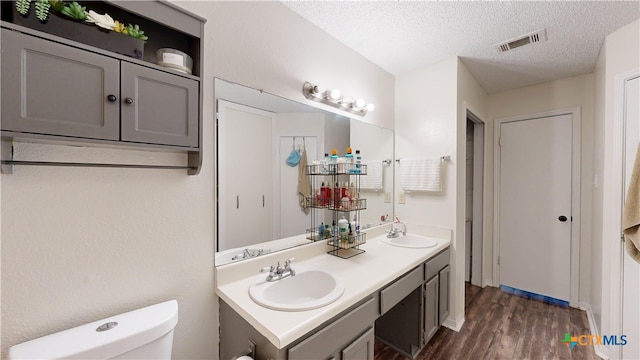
(394, 233)
(397, 228)
(279, 272)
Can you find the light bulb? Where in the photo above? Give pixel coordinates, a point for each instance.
(347, 101)
(359, 103)
(332, 94)
(371, 107)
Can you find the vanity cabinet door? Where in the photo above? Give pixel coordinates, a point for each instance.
(335, 336)
(444, 281)
(54, 89)
(361, 348)
(431, 319)
(159, 107)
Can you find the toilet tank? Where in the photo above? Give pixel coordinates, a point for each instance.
(145, 333)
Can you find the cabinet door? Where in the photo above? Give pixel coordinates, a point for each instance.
(431, 320)
(444, 294)
(361, 348)
(54, 89)
(158, 107)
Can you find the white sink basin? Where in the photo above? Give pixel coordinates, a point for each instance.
(411, 241)
(306, 290)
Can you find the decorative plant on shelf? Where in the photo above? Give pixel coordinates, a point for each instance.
(78, 12)
(74, 10)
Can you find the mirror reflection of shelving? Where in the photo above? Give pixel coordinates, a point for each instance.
(336, 188)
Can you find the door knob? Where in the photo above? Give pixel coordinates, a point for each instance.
(112, 98)
(128, 100)
(562, 218)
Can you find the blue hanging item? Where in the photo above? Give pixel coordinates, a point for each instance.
(294, 157)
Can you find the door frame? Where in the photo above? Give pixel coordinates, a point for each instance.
(479, 200)
(612, 258)
(576, 121)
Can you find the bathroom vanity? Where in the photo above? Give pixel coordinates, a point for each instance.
(399, 295)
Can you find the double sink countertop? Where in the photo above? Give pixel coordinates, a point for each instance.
(362, 275)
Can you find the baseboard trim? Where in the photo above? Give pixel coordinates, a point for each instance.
(454, 325)
(599, 349)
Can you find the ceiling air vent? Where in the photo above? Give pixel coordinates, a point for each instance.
(533, 37)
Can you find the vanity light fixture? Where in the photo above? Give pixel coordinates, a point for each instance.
(335, 99)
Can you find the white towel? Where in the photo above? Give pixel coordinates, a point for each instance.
(420, 175)
(304, 183)
(373, 179)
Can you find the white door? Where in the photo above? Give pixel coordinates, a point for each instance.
(245, 181)
(535, 205)
(631, 269)
(293, 221)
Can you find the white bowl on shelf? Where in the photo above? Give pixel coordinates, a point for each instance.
(174, 59)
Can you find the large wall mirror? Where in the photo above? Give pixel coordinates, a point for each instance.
(259, 137)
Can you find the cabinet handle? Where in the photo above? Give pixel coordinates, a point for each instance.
(128, 100)
(112, 98)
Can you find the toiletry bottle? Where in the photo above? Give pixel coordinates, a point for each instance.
(358, 161)
(335, 232)
(325, 164)
(351, 237)
(356, 225)
(325, 194)
(321, 231)
(349, 161)
(343, 226)
(333, 161)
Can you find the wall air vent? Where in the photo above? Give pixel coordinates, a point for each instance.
(533, 37)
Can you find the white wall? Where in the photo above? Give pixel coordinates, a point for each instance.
(426, 126)
(81, 244)
(575, 91)
(619, 55)
(431, 121)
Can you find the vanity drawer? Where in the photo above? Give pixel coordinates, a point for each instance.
(339, 333)
(394, 293)
(436, 264)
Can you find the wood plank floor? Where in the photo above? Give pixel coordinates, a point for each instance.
(504, 326)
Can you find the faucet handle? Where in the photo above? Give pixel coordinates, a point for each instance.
(288, 262)
(267, 269)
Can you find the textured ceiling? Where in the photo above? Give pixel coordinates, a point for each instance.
(401, 36)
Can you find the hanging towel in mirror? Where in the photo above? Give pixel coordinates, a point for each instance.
(304, 184)
(631, 212)
(373, 181)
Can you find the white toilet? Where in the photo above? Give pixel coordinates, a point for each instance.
(145, 333)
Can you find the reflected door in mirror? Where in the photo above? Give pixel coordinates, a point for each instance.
(245, 184)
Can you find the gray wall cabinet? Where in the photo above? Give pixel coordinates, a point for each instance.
(158, 107)
(48, 88)
(58, 89)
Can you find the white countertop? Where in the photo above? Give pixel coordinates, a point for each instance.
(362, 275)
